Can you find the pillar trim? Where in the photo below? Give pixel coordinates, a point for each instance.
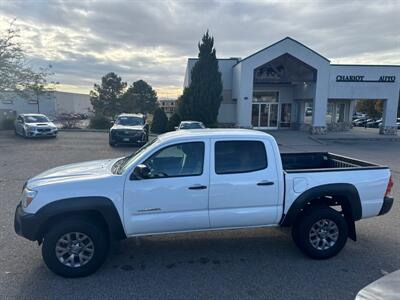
(388, 130)
(318, 130)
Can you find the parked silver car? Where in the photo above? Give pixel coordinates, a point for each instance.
(35, 125)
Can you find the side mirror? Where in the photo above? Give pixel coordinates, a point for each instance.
(140, 172)
(112, 123)
(176, 127)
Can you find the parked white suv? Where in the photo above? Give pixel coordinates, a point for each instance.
(34, 125)
(199, 180)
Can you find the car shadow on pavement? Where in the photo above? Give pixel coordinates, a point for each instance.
(261, 263)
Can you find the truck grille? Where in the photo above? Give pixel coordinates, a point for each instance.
(128, 133)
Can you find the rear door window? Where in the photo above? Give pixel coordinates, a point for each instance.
(239, 157)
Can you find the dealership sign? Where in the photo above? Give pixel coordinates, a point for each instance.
(361, 78)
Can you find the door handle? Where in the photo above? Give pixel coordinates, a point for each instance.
(149, 209)
(197, 187)
(265, 182)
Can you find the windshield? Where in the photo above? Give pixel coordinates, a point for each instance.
(129, 121)
(122, 164)
(36, 119)
(192, 126)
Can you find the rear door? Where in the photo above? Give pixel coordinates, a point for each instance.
(243, 183)
(174, 197)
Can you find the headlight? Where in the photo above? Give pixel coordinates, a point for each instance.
(27, 197)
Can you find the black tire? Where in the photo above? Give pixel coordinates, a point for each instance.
(24, 134)
(94, 231)
(302, 232)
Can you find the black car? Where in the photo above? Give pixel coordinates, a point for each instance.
(129, 129)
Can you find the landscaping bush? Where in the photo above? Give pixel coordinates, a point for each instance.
(160, 120)
(100, 122)
(173, 122)
(7, 124)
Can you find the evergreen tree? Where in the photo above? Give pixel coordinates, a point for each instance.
(202, 99)
(173, 122)
(140, 98)
(106, 98)
(160, 120)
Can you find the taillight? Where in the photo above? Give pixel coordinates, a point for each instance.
(389, 189)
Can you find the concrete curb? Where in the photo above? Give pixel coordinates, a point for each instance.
(93, 130)
(83, 130)
(391, 139)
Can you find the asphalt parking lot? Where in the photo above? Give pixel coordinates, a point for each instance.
(262, 263)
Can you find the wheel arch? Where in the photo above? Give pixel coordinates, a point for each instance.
(98, 209)
(343, 194)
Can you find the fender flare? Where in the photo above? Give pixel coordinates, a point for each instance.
(342, 190)
(81, 205)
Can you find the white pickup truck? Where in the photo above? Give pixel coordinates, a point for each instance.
(199, 180)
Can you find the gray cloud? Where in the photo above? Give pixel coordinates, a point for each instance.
(151, 40)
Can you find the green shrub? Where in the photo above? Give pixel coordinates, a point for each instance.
(7, 123)
(173, 122)
(160, 120)
(100, 122)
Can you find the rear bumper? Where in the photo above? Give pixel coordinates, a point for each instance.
(26, 225)
(386, 206)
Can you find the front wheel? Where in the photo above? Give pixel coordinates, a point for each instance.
(75, 248)
(320, 233)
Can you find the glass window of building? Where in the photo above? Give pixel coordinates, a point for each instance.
(308, 112)
(265, 96)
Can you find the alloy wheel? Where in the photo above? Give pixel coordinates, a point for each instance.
(323, 234)
(74, 249)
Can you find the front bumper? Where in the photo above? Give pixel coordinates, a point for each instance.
(130, 138)
(41, 132)
(386, 206)
(26, 225)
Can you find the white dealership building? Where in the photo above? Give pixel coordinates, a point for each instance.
(288, 85)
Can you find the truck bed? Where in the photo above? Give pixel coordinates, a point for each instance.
(322, 162)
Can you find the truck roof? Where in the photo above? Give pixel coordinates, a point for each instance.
(130, 115)
(208, 132)
(31, 114)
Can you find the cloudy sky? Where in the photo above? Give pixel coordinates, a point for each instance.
(152, 40)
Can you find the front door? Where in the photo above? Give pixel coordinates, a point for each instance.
(244, 184)
(174, 196)
(265, 115)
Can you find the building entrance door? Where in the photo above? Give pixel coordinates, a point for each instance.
(265, 115)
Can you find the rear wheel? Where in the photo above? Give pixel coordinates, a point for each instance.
(320, 232)
(75, 248)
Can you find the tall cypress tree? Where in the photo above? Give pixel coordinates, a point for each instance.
(202, 99)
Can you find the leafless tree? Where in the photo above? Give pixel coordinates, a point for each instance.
(15, 73)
